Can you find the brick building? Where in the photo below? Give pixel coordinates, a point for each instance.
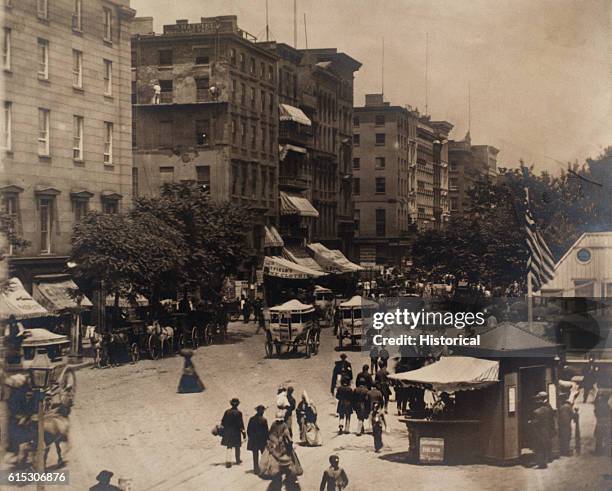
(66, 121)
(384, 162)
(206, 110)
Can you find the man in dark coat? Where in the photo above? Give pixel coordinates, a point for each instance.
(565, 416)
(374, 354)
(344, 394)
(257, 431)
(361, 407)
(383, 356)
(290, 410)
(233, 432)
(364, 378)
(342, 369)
(382, 381)
(543, 425)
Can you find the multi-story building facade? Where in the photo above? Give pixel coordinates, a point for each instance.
(206, 110)
(384, 162)
(468, 164)
(66, 122)
(432, 173)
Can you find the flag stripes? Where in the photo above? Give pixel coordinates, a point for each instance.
(541, 263)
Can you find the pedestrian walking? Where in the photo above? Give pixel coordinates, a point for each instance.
(383, 355)
(401, 397)
(282, 402)
(342, 369)
(290, 410)
(361, 407)
(603, 425)
(246, 309)
(588, 379)
(382, 381)
(257, 432)
(364, 377)
(379, 424)
(543, 427)
(233, 432)
(374, 358)
(334, 477)
(279, 459)
(344, 394)
(306, 413)
(190, 382)
(566, 415)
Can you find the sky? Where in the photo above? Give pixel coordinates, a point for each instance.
(538, 72)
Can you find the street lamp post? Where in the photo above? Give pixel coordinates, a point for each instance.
(40, 373)
(75, 346)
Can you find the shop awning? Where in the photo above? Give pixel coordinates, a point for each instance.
(290, 113)
(299, 255)
(15, 300)
(280, 267)
(283, 150)
(453, 373)
(57, 294)
(272, 237)
(333, 260)
(296, 205)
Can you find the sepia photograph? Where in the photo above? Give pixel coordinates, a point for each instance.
(306, 245)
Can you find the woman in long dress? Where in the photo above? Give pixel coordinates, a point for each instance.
(307, 421)
(279, 458)
(190, 381)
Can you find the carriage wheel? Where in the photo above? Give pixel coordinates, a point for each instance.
(195, 338)
(153, 347)
(278, 348)
(206, 336)
(67, 384)
(308, 346)
(134, 352)
(269, 350)
(316, 342)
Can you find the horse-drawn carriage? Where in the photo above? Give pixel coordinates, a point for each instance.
(293, 324)
(324, 304)
(355, 314)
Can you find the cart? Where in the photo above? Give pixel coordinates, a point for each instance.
(41, 342)
(292, 324)
(356, 315)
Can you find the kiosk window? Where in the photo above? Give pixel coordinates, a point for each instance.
(512, 399)
(295, 318)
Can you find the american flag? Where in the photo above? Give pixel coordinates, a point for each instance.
(541, 263)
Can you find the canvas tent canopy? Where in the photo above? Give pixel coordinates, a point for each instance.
(291, 204)
(280, 267)
(358, 301)
(452, 373)
(333, 260)
(15, 300)
(57, 293)
(293, 306)
(299, 255)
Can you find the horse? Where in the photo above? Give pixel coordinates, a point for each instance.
(164, 334)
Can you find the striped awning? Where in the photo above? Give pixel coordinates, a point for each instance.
(290, 113)
(300, 255)
(280, 267)
(292, 204)
(283, 150)
(333, 260)
(272, 237)
(15, 300)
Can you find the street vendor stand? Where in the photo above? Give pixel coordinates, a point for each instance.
(494, 386)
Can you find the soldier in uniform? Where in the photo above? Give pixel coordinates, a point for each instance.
(543, 426)
(342, 369)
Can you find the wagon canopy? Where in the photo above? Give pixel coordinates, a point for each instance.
(15, 300)
(293, 306)
(41, 337)
(358, 301)
(453, 373)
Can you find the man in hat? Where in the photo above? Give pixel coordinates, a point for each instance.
(104, 482)
(257, 431)
(344, 394)
(334, 477)
(543, 426)
(364, 377)
(233, 432)
(290, 409)
(342, 369)
(382, 380)
(361, 407)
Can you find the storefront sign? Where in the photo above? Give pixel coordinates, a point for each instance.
(431, 450)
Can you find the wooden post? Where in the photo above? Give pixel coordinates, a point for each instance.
(40, 447)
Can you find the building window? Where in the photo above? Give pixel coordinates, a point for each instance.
(262, 70)
(263, 101)
(452, 184)
(380, 185)
(381, 222)
(45, 210)
(271, 141)
(454, 204)
(233, 56)
(11, 208)
(77, 15)
(271, 103)
(252, 68)
(356, 121)
(6, 131)
(108, 143)
(202, 86)
(110, 206)
(42, 9)
(166, 139)
(108, 77)
(135, 182)
(166, 91)
(81, 207)
(380, 163)
(43, 132)
(234, 130)
(380, 139)
(202, 128)
(356, 163)
(356, 186)
(242, 62)
(203, 175)
(263, 138)
(254, 181)
(202, 57)
(77, 138)
(43, 59)
(166, 175)
(253, 137)
(6, 49)
(379, 120)
(108, 24)
(357, 219)
(243, 132)
(242, 93)
(356, 140)
(77, 69)
(244, 178)
(270, 72)
(253, 97)
(165, 57)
